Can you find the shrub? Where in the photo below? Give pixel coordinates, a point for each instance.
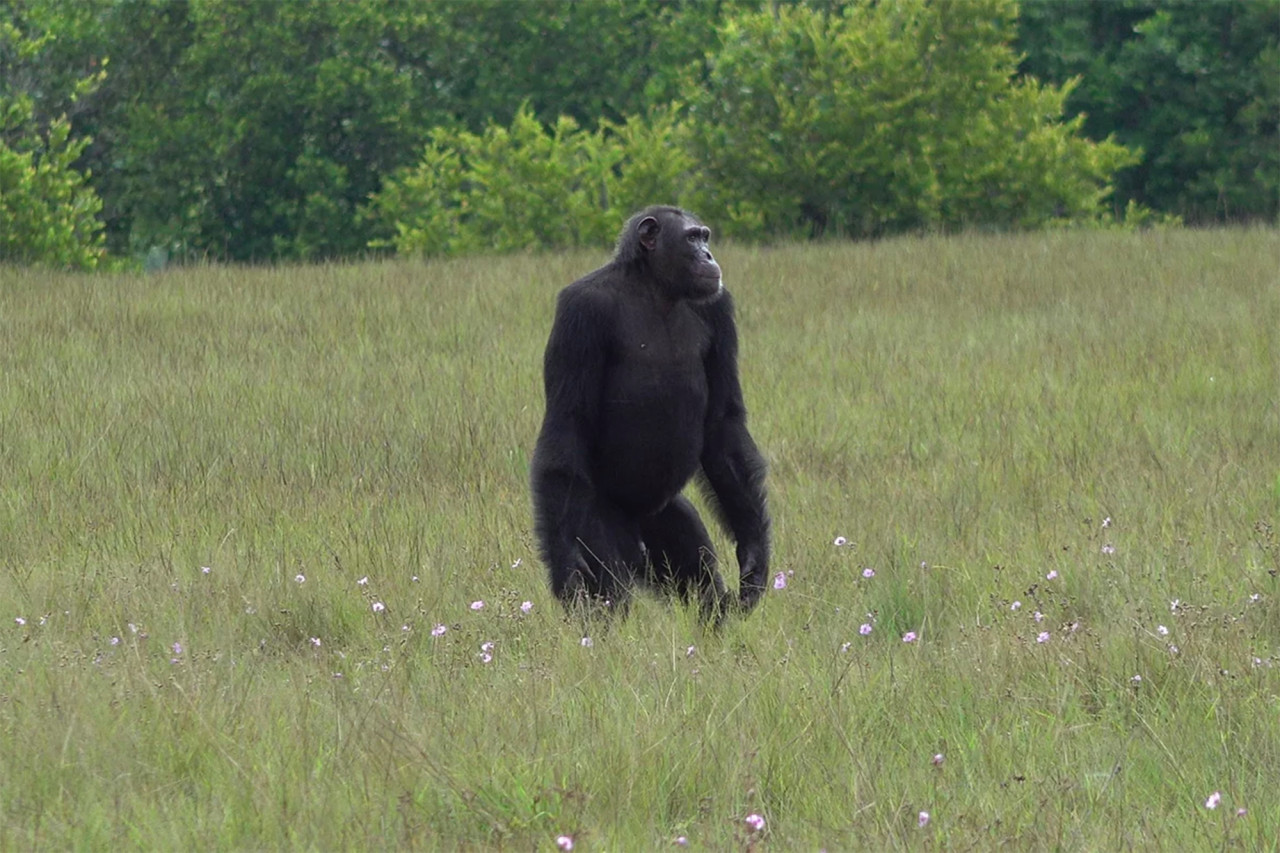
(890, 117)
(528, 186)
(48, 213)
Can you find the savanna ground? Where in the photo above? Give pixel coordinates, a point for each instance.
(235, 504)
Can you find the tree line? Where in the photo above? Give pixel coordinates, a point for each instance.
(253, 130)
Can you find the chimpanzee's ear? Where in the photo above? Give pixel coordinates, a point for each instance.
(648, 231)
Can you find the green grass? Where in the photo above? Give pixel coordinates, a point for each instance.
(967, 411)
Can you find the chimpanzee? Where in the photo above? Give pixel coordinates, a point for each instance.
(641, 378)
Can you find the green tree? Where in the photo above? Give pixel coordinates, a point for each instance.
(245, 129)
(281, 120)
(888, 117)
(254, 129)
(603, 59)
(1195, 85)
(48, 213)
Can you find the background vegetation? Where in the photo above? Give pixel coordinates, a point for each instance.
(47, 211)
(256, 129)
(236, 504)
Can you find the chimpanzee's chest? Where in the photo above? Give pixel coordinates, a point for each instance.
(658, 360)
(653, 409)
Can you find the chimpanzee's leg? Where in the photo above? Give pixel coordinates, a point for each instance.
(600, 568)
(682, 559)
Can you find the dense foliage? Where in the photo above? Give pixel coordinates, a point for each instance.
(891, 117)
(256, 129)
(1194, 85)
(876, 120)
(47, 210)
(525, 186)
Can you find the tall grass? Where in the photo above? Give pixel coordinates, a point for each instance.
(235, 503)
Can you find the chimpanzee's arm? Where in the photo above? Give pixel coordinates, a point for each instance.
(731, 465)
(573, 366)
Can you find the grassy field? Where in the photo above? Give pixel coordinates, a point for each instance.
(235, 504)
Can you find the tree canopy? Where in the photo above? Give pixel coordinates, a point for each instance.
(260, 129)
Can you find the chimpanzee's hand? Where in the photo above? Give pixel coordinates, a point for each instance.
(753, 563)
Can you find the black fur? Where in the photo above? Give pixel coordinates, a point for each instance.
(642, 393)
